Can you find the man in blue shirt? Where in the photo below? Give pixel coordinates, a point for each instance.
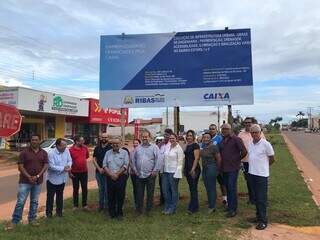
(59, 166)
(146, 165)
(216, 140)
(115, 164)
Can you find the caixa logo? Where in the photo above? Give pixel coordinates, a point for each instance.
(216, 96)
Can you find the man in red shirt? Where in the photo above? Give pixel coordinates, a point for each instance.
(79, 171)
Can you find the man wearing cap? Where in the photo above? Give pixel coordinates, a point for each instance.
(232, 150)
(261, 156)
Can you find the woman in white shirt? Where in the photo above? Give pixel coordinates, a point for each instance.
(173, 165)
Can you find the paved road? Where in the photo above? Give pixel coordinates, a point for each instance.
(308, 144)
(9, 185)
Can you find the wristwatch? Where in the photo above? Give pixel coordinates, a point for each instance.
(38, 176)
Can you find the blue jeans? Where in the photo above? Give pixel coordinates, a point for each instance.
(193, 188)
(209, 175)
(230, 180)
(102, 186)
(23, 192)
(170, 191)
(260, 188)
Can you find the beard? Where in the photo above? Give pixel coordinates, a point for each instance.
(104, 141)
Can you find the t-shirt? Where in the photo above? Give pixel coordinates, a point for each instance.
(189, 157)
(208, 153)
(79, 157)
(231, 149)
(33, 162)
(216, 140)
(99, 152)
(259, 154)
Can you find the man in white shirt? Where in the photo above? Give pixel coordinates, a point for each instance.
(260, 156)
(59, 166)
(246, 137)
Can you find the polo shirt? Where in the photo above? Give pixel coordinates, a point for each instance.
(259, 154)
(116, 160)
(79, 157)
(231, 148)
(33, 162)
(99, 152)
(247, 139)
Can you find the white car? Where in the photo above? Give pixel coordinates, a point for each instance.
(50, 143)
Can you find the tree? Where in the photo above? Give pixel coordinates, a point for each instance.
(300, 115)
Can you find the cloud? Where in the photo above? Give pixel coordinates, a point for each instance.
(54, 44)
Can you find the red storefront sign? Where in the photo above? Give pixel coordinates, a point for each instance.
(110, 116)
(10, 120)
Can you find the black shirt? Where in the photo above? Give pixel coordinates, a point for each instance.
(99, 153)
(189, 157)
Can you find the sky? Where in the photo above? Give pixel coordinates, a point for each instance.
(53, 45)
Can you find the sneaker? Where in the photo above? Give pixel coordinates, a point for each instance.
(224, 202)
(261, 226)
(211, 210)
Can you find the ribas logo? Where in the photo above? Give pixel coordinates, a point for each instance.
(216, 96)
(128, 100)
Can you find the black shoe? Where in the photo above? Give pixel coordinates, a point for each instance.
(261, 226)
(231, 214)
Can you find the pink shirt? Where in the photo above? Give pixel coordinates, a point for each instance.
(247, 139)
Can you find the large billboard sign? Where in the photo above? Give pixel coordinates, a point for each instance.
(176, 69)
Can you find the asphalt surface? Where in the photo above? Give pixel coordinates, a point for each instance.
(307, 143)
(9, 185)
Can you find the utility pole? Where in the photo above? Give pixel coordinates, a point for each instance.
(176, 120)
(309, 112)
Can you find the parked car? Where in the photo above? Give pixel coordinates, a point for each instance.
(49, 143)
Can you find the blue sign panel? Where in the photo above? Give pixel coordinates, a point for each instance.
(176, 69)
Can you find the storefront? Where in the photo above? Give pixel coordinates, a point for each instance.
(97, 122)
(43, 113)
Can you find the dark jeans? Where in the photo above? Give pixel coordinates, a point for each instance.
(260, 188)
(80, 178)
(116, 193)
(209, 174)
(248, 181)
(102, 186)
(134, 189)
(193, 188)
(230, 180)
(52, 190)
(161, 189)
(142, 184)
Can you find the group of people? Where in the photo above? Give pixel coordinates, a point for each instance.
(218, 157)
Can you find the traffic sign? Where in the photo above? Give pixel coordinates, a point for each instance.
(10, 120)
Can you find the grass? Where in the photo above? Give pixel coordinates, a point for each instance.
(289, 202)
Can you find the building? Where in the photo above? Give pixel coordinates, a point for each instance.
(195, 120)
(53, 115)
